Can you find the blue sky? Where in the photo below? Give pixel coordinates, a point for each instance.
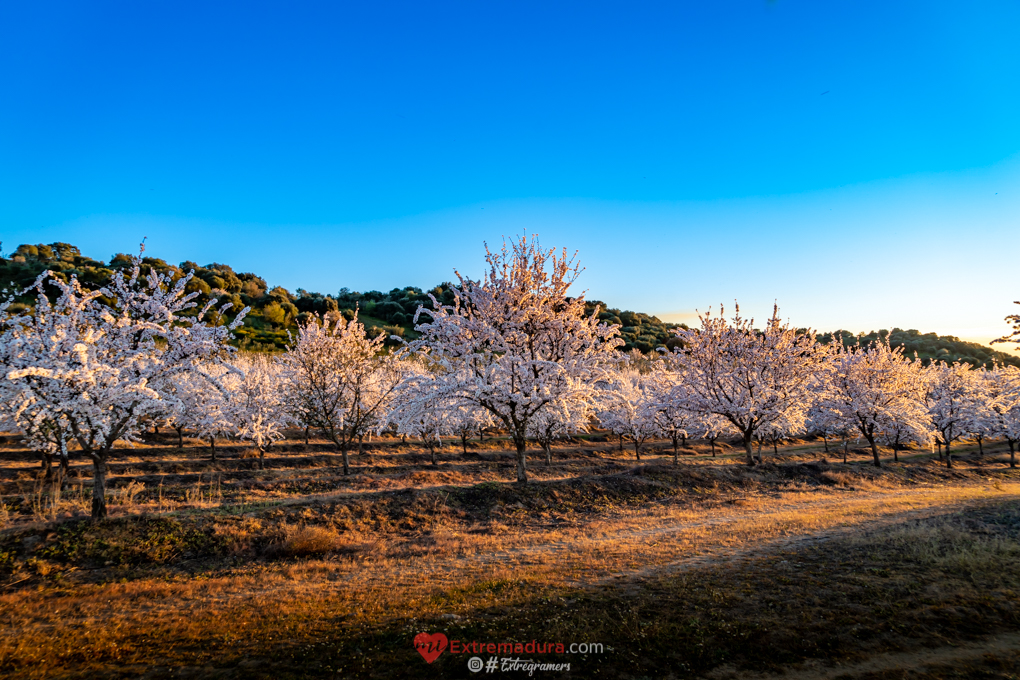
(859, 162)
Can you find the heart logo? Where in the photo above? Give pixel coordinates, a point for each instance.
(430, 646)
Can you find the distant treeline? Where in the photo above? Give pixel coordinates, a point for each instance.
(929, 347)
(276, 310)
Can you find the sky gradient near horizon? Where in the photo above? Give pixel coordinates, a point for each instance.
(858, 162)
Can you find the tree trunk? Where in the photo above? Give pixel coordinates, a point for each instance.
(637, 449)
(846, 443)
(463, 441)
(481, 435)
(1012, 453)
(361, 445)
(262, 458)
(346, 459)
(432, 451)
(759, 450)
(775, 447)
(711, 442)
(47, 467)
(949, 457)
(939, 444)
(180, 437)
(981, 448)
(64, 464)
(548, 452)
(306, 436)
(212, 447)
(896, 449)
(826, 442)
(99, 488)
(748, 447)
(874, 451)
(676, 452)
(621, 443)
(522, 459)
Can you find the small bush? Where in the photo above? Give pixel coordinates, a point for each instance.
(835, 478)
(305, 541)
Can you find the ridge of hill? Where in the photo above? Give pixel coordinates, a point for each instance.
(276, 310)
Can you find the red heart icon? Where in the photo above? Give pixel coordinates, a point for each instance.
(430, 646)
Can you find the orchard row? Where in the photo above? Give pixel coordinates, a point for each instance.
(514, 351)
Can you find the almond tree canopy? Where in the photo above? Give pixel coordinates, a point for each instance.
(515, 342)
(755, 379)
(97, 361)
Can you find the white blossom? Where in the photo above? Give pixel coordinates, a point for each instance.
(752, 378)
(953, 392)
(515, 342)
(420, 409)
(258, 401)
(95, 360)
(870, 390)
(340, 380)
(1000, 416)
(628, 408)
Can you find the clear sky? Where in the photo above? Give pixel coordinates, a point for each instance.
(857, 161)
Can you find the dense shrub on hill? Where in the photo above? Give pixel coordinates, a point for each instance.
(275, 310)
(639, 331)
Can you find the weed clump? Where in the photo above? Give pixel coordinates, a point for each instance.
(304, 541)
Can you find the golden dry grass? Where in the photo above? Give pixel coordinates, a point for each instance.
(277, 576)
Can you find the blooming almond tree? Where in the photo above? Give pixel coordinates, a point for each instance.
(467, 419)
(340, 380)
(821, 421)
(628, 409)
(95, 359)
(982, 418)
(418, 409)
(752, 378)
(710, 427)
(668, 409)
(187, 390)
(44, 432)
(515, 342)
(776, 431)
(870, 388)
(559, 419)
(259, 407)
(207, 399)
(1002, 393)
(953, 393)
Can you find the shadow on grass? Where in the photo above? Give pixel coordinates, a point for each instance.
(921, 584)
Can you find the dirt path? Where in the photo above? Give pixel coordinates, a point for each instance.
(722, 535)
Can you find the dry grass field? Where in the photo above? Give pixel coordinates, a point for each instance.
(801, 568)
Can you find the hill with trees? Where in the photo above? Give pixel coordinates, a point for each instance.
(928, 347)
(275, 310)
